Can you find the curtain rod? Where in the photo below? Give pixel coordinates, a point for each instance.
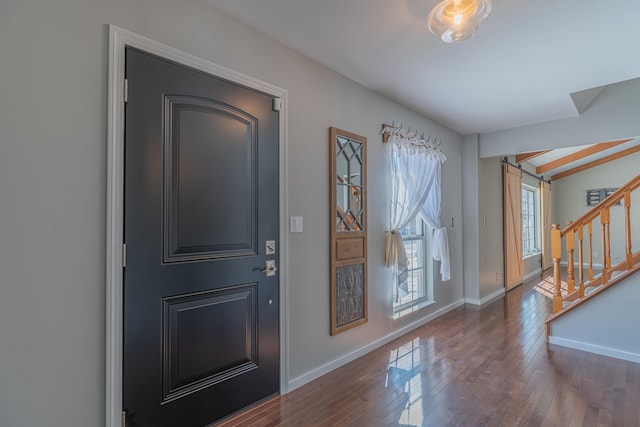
(519, 166)
(398, 128)
(385, 136)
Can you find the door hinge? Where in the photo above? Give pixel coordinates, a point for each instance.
(123, 421)
(277, 104)
(126, 91)
(124, 255)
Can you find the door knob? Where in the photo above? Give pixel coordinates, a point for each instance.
(270, 268)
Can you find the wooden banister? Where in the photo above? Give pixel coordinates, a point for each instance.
(611, 200)
(575, 230)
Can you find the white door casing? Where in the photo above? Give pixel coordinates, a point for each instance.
(119, 39)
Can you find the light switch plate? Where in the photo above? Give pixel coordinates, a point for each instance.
(295, 224)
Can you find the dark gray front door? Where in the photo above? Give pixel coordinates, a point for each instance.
(201, 201)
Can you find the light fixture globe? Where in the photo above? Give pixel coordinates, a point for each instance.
(457, 20)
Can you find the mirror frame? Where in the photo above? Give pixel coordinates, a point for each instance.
(348, 249)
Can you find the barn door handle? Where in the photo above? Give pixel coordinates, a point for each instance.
(270, 268)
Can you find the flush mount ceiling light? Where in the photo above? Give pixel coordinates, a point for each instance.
(457, 20)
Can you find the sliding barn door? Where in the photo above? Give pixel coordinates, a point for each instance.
(545, 211)
(512, 219)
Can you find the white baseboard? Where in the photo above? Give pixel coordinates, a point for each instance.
(489, 298)
(591, 348)
(534, 273)
(343, 360)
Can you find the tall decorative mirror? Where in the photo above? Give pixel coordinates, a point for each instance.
(348, 213)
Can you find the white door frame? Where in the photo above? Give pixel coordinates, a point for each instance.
(119, 39)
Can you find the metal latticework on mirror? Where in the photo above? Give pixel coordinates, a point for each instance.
(348, 158)
(349, 165)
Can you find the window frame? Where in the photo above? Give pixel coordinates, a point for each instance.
(426, 296)
(535, 211)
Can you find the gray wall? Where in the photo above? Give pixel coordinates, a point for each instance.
(483, 245)
(569, 203)
(53, 83)
(470, 195)
(613, 115)
(614, 334)
(490, 235)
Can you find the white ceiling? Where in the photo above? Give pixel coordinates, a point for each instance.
(520, 68)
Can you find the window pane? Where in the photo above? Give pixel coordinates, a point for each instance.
(415, 247)
(410, 249)
(419, 253)
(409, 230)
(529, 220)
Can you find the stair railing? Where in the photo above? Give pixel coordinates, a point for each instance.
(576, 229)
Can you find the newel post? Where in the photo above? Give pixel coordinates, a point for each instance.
(556, 253)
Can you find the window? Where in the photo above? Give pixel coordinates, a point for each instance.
(530, 233)
(419, 289)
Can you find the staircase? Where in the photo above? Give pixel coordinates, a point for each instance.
(589, 283)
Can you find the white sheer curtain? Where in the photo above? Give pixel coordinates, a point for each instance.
(415, 181)
(431, 215)
(545, 208)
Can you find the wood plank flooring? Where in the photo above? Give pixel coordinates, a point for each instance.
(470, 367)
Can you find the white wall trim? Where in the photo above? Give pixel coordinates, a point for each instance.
(349, 357)
(485, 300)
(591, 348)
(119, 39)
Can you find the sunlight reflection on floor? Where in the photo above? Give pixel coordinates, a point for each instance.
(403, 374)
(546, 287)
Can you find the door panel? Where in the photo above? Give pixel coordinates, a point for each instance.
(201, 199)
(208, 146)
(512, 227)
(194, 326)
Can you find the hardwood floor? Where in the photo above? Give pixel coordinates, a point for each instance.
(470, 367)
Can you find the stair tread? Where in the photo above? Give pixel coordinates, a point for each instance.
(591, 289)
(617, 273)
